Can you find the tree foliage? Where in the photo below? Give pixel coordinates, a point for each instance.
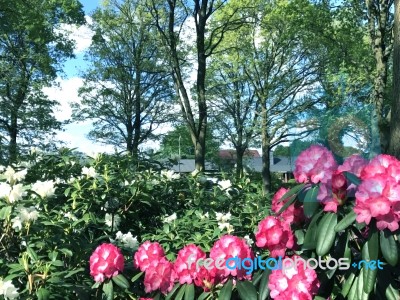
(32, 50)
(127, 90)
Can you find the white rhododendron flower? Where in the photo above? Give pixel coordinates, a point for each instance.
(170, 218)
(16, 223)
(25, 215)
(223, 217)
(70, 216)
(8, 290)
(13, 177)
(44, 188)
(109, 220)
(248, 240)
(224, 184)
(205, 216)
(170, 174)
(226, 225)
(89, 172)
(5, 190)
(127, 240)
(16, 193)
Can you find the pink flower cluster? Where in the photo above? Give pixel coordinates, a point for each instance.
(292, 214)
(315, 164)
(275, 235)
(229, 246)
(378, 195)
(186, 273)
(106, 262)
(338, 189)
(159, 272)
(293, 283)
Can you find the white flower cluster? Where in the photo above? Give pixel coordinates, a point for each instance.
(25, 215)
(170, 174)
(44, 188)
(223, 221)
(109, 220)
(8, 290)
(248, 240)
(205, 216)
(12, 177)
(12, 194)
(127, 240)
(89, 172)
(170, 218)
(224, 184)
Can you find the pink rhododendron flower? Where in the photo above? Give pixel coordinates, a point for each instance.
(292, 214)
(148, 254)
(293, 283)
(205, 279)
(229, 246)
(185, 264)
(315, 164)
(334, 192)
(353, 164)
(106, 262)
(382, 164)
(160, 277)
(274, 235)
(379, 197)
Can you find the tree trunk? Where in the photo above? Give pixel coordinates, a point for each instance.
(265, 148)
(12, 146)
(394, 147)
(239, 161)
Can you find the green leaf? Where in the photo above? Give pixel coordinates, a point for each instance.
(391, 293)
(5, 212)
(226, 291)
(136, 277)
(370, 252)
(311, 203)
(352, 178)
(346, 221)
(43, 294)
(189, 293)
(172, 292)
(246, 290)
(299, 234)
(181, 292)
(389, 247)
(204, 295)
(32, 254)
(108, 290)
(263, 288)
(121, 281)
(326, 233)
(348, 284)
(286, 205)
(310, 238)
(293, 191)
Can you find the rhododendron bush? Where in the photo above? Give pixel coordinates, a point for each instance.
(107, 227)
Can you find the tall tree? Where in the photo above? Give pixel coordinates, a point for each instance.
(380, 26)
(172, 19)
(127, 90)
(234, 103)
(394, 147)
(32, 50)
(282, 73)
(178, 140)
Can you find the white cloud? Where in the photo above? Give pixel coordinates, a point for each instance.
(65, 92)
(82, 35)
